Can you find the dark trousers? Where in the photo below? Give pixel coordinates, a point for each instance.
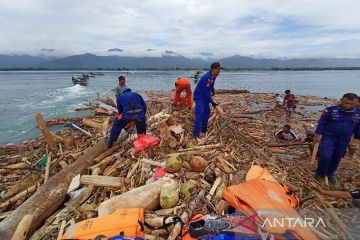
(118, 125)
(330, 153)
(202, 115)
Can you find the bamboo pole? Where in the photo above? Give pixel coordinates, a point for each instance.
(23, 227)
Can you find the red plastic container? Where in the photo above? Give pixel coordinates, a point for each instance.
(145, 141)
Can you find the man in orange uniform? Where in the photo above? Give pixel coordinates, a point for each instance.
(182, 84)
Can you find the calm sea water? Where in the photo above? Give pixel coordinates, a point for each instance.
(53, 95)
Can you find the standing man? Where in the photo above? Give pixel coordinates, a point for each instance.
(354, 144)
(182, 84)
(336, 126)
(132, 110)
(289, 104)
(203, 98)
(120, 87)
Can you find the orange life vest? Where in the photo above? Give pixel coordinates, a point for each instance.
(270, 202)
(128, 222)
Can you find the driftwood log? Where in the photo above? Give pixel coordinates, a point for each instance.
(50, 195)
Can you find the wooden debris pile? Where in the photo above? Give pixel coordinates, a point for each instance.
(77, 177)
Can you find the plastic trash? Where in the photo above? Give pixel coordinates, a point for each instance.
(42, 162)
(158, 173)
(145, 141)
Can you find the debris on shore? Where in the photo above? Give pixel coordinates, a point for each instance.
(70, 176)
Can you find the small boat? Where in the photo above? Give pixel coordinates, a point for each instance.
(82, 81)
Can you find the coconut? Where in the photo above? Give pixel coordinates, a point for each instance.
(186, 165)
(186, 157)
(190, 144)
(186, 190)
(173, 164)
(198, 164)
(168, 198)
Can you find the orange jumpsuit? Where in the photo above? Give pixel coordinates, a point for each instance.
(180, 85)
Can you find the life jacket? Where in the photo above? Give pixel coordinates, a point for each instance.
(258, 172)
(269, 201)
(126, 222)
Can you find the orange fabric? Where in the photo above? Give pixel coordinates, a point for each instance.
(270, 202)
(258, 172)
(179, 89)
(122, 221)
(185, 230)
(182, 81)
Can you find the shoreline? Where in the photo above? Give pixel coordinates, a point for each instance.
(315, 101)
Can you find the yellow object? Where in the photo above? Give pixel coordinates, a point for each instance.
(125, 222)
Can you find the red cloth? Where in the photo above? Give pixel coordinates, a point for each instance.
(179, 89)
(289, 99)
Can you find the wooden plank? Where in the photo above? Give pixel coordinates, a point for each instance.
(102, 181)
(213, 188)
(49, 138)
(153, 163)
(314, 153)
(61, 231)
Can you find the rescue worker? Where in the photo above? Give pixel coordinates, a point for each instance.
(132, 111)
(182, 84)
(336, 126)
(203, 98)
(120, 87)
(354, 144)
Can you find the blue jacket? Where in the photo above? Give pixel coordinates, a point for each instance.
(131, 106)
(334, 122)
(205, 87)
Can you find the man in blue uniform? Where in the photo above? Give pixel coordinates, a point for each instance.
(132, 110)
(202, 97)
(336, 127)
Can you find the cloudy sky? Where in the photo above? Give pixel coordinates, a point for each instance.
(270, 28)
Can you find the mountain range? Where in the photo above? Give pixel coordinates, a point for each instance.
(91, 61)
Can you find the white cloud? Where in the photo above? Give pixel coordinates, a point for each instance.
(264, 27)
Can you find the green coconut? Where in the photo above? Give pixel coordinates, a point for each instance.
(190, 144)
(173, 164)
(168, 198)
(186, 157)
(186, 190)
